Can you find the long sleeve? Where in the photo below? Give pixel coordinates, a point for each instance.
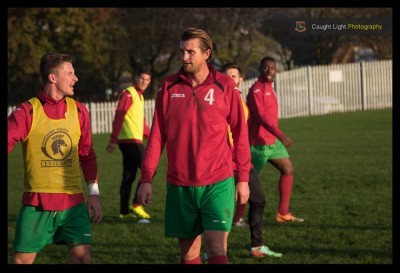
(124, 104)
(87, 155)
(265, 108)
(241, 148)
(155, 143)
(18, 124)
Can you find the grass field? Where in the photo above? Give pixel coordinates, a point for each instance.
(342, 188)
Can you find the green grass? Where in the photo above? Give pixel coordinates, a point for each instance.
(342, 188)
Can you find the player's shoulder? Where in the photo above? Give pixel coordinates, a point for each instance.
(257, 85)
(222, 77)
(22, 108)
(171, 78)
(225, 82)
(170, 81)
(81, 106)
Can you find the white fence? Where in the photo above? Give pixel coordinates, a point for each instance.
(102, 115)
(319, 90)
(308, 91)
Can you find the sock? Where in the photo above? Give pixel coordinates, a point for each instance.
(194, 261)
(285, 189)
(239, 212)
(136, 205)
(221, 259)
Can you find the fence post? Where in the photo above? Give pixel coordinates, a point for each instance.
(92, 114)
(363, 87)
(309, 91)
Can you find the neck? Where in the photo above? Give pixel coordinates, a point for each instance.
(52, 92)
(200, 76)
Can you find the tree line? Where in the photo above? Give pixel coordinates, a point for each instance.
(109, 44)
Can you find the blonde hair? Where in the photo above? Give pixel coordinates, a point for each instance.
(205, 39)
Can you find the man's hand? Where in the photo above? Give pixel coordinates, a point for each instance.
(144, 194)
(286, 140)
(111, 147)
(93, 204)
(242, 192)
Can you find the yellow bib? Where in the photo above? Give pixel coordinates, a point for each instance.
(51, 152)
(132, 127)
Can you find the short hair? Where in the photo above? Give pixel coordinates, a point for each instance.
(232, 66)
(50, 62)
(143, 70)
(268, 58)
(205, 39)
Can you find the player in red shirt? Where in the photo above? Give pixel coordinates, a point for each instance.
(267, 142)
(193, 108)
(55, 133)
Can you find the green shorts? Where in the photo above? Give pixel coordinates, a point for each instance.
(191, 210)
(36, 228)
(260, 154)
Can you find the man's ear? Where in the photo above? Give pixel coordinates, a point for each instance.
(208, 51)
(51, 78)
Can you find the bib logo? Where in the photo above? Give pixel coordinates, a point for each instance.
(57, 146)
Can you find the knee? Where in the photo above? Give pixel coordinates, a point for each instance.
(80, 254)
(257, 205)
(288, 170)
(257, 199)
(23, 258)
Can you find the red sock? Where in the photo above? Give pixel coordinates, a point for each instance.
(239, 212)
(221, 259)
(194, 261)
(285, 189)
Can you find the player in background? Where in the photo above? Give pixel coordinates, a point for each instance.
(235, 72)
(267, 142)
(257, 197)
(129, 127)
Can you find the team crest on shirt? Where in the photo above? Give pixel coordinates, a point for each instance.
(57, 146)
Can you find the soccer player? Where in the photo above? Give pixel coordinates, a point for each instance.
(55, 133)
(267, 142)
(257, 197)
(193, 108)
(129, 127)
(235, 72)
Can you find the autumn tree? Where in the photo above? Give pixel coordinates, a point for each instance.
(87, 34)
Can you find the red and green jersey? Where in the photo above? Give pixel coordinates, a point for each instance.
(263, 106)
(192, 123)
